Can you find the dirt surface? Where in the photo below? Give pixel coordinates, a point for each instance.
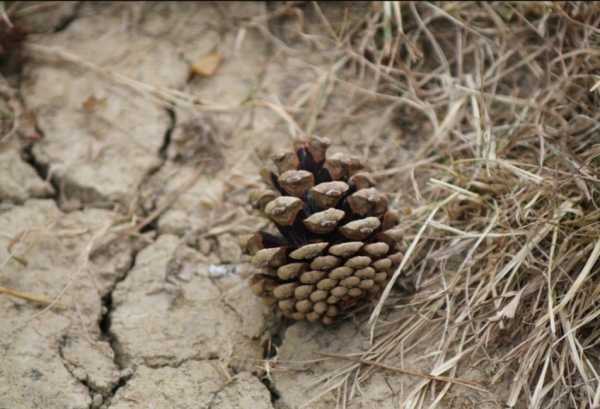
(162, 316)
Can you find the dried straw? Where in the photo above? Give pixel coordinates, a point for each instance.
(504, 220)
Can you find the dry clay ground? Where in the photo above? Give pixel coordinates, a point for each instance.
(161, 316)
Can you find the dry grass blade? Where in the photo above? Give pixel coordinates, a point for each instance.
(396, 274)
(162, 95)
(463, 382)
(31, 297)
(86, 257)
(576, 287)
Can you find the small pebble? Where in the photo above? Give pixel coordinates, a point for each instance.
(222, 270)
(97, 400)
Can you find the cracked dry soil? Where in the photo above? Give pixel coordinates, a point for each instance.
(146, 324)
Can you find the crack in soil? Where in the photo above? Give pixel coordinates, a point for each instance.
(167, 141)
(126, 372)
(270, 351)
(42, 170)
(215, 394)
(105, 329)
(91, 391)
(107, 300)
(139, 199)
(69, 19)
(275, 395)
(210, 358)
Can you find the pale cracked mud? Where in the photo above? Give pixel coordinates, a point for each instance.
(149, 321)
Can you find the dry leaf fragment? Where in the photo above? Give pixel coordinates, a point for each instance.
(509, 309)
(207, 65)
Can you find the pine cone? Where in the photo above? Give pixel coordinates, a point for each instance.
(337, 243)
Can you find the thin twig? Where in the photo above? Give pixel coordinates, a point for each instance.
(170, 199)
(463, 382)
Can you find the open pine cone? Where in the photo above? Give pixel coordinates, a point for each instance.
(338, 241)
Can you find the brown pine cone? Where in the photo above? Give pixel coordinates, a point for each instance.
(338, 243)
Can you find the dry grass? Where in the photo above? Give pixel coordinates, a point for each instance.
(504, 206)
(505, 233)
